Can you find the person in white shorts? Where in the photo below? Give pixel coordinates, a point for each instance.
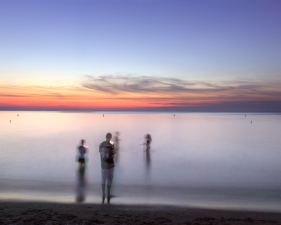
(107, 152)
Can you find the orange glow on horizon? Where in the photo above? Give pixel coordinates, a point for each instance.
(82, 98)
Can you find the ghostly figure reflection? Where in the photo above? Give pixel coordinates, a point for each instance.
(147, 161)
(81, 184)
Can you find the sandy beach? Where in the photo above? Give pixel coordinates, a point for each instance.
(57, 213)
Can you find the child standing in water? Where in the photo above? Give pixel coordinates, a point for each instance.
(82, 150)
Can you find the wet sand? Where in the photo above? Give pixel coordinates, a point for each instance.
(56, 213)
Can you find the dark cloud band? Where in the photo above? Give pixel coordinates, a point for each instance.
(155, 85)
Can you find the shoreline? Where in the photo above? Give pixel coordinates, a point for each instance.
(233, 199)
(58, 213)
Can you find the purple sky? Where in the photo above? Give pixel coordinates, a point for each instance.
(51, 43)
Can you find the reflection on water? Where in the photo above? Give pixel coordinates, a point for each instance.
(81, 184)
(214, 150)
(147, 162)
(239, 199)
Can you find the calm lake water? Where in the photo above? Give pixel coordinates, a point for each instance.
(214, 160)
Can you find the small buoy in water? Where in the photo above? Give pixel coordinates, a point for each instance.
(174, 114)
(103, 115)
(251, 122)
(10, 121)
(18, 114)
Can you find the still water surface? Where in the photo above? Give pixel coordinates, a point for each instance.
(220, 160)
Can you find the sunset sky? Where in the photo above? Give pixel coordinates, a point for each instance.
(163, 55)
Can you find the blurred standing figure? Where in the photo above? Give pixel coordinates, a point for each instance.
(107, 152)
(81, 185)
(148, 141)
(116, 146)
(116, 140)
(82, 150)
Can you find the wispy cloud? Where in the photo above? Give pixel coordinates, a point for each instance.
(147, 92)
(119, 85)
(141, 84)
